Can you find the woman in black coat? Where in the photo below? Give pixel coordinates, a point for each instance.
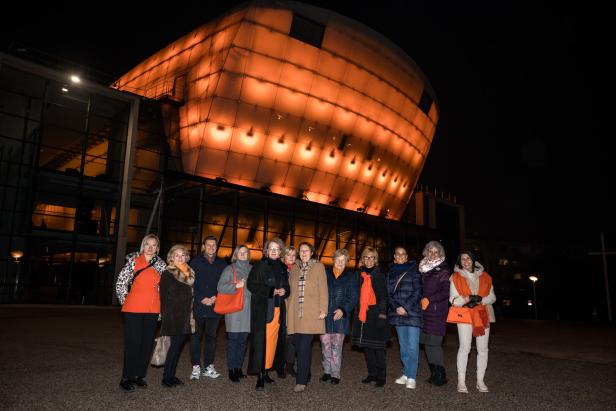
(176, 296)
(370, 329)
(269, 286)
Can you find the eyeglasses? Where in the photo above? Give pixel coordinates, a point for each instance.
(274, 249)
(369, 257)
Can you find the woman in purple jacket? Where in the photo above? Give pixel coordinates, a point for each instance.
(435, 279)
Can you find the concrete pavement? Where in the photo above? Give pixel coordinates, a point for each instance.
(67, 357)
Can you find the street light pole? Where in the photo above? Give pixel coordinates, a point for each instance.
(534, 279)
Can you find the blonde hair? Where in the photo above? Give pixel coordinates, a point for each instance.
(170, 263)
(145, 240)
(237, 249)
(370, 250)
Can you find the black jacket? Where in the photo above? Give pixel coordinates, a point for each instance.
(206, 284)
(175, 305)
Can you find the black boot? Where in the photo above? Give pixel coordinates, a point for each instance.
(233, 375)
(260, 382)
(439, 378)
(239, 373)
(431, 379)
(291, 370)
(267, 378)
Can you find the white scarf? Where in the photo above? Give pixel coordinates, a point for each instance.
(426, 265)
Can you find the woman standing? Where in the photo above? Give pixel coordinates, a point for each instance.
(137, 292)
(435, 279)
(307, 309)
(237, 324)
(404, 312)
(268, 285)
(176, 298)
(284, 362)
(343, 295)
(471, 287)
(370, 329)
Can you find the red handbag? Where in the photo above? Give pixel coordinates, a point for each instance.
(230, 303)
(459, 315)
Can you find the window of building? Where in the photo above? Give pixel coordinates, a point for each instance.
(306, 30)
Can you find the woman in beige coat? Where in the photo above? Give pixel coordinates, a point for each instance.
(306, 309)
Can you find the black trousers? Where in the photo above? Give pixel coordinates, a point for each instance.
(138, 341)
(281, 356)
(375, 361)
(303, 350)
(209, 327)
(173, 355)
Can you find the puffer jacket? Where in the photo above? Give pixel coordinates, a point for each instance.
(407, 294)
(343, 294)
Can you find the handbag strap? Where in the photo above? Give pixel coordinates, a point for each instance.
(399, 279)
(234, 274)
(143, 269)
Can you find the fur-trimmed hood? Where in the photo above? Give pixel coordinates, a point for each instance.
(479, 270)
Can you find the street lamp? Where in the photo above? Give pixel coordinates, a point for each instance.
(17, 255)
(534, 279)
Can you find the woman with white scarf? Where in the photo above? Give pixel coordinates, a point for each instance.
(471, 288)
(435, 284)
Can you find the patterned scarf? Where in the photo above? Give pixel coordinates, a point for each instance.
(304, 267)
(426, 265)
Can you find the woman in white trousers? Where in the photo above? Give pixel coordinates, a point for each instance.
(471, 288)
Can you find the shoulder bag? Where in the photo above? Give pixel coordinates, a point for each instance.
(230, 303)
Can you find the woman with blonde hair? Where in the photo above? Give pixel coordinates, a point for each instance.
(137, 292)
(176, 300)
(237, 324)
(370, 328)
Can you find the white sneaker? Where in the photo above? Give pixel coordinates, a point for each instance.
(410, 383)
(482, 387)
(196, 372)
(210, 371)
(402, 380)
(462, 387)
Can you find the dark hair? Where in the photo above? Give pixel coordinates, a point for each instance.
(470, 254)
(310, 246)
(206, 239)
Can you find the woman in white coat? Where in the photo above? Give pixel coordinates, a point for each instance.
(471, 288)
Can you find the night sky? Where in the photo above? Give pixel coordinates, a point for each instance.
(520, 140)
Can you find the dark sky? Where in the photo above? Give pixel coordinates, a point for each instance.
(520, 140)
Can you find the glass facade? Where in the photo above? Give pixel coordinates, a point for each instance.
(223, 139)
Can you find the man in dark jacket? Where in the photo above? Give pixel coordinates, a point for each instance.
(208, 268)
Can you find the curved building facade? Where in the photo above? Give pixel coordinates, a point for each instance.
(296, 100)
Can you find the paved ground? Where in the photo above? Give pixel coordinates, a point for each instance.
(58, 357)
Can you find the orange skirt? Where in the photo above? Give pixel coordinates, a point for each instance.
(271, 338)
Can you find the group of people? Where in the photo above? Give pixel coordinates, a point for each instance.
(289, 297)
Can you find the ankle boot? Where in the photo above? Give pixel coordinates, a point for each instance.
(239, 373)
(267, 378)
(431, 379)
(260, 382)
(439, 378)
(233, 375)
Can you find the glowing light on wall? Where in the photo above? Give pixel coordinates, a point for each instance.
(270, 103)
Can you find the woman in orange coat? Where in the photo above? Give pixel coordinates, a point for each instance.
(137, 291)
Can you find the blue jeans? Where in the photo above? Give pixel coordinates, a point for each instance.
(408, 337)
(236, 350)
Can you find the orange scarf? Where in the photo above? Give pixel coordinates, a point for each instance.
(479, 314)
(366, 296)
(337, 272)
(183, 269)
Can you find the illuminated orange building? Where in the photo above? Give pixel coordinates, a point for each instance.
(297, 100)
